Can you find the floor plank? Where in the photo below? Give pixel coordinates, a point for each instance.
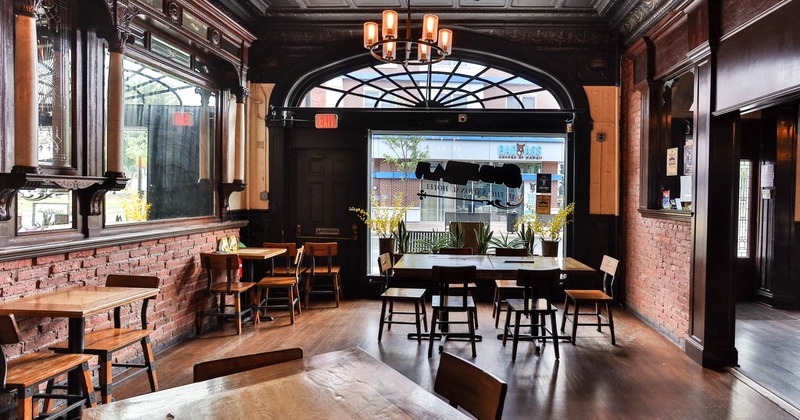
(643, 376)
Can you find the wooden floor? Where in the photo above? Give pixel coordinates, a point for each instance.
(768, 341)
(643, 376)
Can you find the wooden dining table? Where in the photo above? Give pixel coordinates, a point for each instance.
(76, 304)
(252, 254)
(343, 384)
(489, 267)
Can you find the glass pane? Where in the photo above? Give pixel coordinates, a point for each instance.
(44, 209)
(169, 139)
(394, 158)
(195, 25)
(167, 50)
(54, 67)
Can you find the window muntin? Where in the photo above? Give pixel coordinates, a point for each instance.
(453, 84)
(168, 148)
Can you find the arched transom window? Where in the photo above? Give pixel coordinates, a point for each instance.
(447, 84)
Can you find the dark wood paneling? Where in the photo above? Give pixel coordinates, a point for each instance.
(736, 13)
(671, 47)
(757, 63)
(6, 86)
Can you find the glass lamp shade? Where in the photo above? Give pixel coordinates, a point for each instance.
(423, 51)
(446, 41)
(430, 26)
(370, 34)
(389, 50)
(389, 29)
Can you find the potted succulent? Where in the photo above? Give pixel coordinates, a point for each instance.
(383, 220)
(547, 229)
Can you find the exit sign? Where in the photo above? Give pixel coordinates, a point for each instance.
(182, 119)
(326, 121)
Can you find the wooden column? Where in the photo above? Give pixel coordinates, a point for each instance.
(203, 154)
(26, 112)
(242, 93)
(122, 14)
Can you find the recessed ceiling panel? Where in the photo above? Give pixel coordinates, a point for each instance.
(579, 4)
(378, 4)
(533, 3)
(312, 4)
(278, 4)
(482, 3)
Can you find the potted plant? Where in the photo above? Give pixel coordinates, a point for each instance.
(383, 220)
(402, 237)
(547, 229)
(484, 237)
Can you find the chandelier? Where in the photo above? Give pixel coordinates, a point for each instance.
(392, 49)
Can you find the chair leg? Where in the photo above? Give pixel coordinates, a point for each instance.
(416, 315)
(575, 311)
(565, 313)
(47, 405)
(611, 324)
(86, 385)
(150, 362)
(309, 281)
(383, 315)
(507, 326)
(297, 293)
(104, 377)
(290, 303)
(25, 403)
(495, 302)
(336, 288)
(554, 333)
(515, 338)
(424, 313)
(391, 315)
(597, 314)
(237, 307)
(434, 317)
(472, 320)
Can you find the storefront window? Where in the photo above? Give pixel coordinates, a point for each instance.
(169, 139)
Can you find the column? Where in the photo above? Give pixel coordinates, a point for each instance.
(242, 93)
(203, 155)
(26, 113)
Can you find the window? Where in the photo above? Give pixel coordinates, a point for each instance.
(170, 127)
(670, 148)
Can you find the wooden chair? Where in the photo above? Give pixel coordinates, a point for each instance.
(452, 300)
(211, 369)
(537, 287)
(229, 264)
(504, 288)
(461, 251)
(104, 343)
(391, 295)
(290, 282)
(325, 251)
(466, 385)
(287, 266)
(576, 298)
(25, 373)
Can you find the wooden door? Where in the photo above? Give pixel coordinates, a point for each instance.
(326, 188)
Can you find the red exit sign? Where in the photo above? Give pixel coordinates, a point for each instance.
(326, 121)
(182, 119)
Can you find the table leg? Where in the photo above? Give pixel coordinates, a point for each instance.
(75, 344)
(251, 276)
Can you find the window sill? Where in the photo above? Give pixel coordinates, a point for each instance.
(147, 233)
(667, 214)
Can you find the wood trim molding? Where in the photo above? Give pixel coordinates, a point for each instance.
(665, 214)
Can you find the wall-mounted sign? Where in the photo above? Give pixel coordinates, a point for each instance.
(326, 121)
(519, 151)
(182, 119)
(544, 183)
(672, 161)
(459, 174)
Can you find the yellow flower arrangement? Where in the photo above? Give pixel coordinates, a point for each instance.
(548, 229)
(384, 218)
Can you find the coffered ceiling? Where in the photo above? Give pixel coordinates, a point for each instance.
(630, 18)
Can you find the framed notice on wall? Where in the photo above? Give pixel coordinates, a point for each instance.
(672, 161)
(543, 204)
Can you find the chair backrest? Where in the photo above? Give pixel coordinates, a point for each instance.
(609, 269)
(228, 263)
(511, 252)
(456, 251)
(132, 280)
(9, 334)
(466, 385)
(298, 263)
(385, 266)
(288, 257)
(444, 276)
(538, 283)
(326, 250)
(215, 368)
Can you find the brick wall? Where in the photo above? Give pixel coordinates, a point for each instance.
(657, 252)
(171, 315)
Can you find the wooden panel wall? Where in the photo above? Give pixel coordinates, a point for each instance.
(604, 165)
